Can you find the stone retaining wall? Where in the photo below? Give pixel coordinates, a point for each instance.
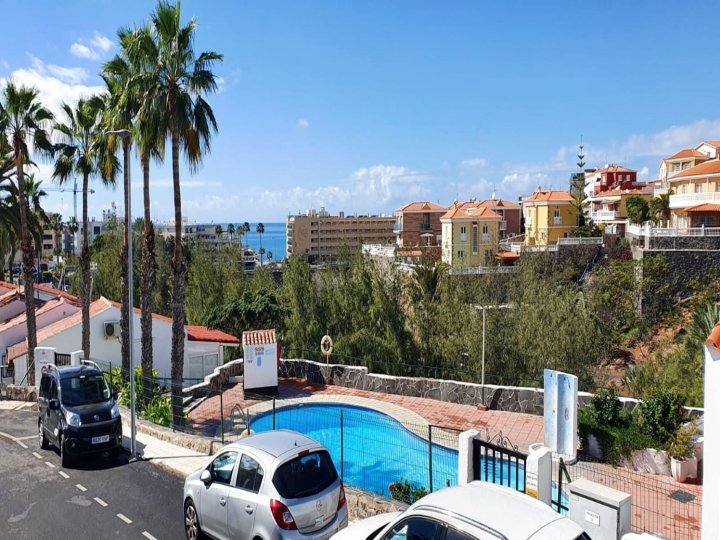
(20, 393)
(217, 380)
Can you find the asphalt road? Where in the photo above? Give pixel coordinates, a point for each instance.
(96, 498)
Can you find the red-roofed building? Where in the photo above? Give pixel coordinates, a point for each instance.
(609, 178)
(549, 216)
(417, 225)
(510, 214)
(470, 234)
(609, 208)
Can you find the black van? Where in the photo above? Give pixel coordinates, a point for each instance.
(77, 412)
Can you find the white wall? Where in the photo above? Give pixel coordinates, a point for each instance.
(711, 450)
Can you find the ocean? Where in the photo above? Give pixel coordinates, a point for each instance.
(273, 239)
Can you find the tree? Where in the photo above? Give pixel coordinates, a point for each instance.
(231, 230)
(245, 230)
(577, 186)
(72, 226)
(23, 119)
(637, 209)
(218, 230)
(177, 84)
(83, 151)
(659, 208)
(269, 255)
(260, 229)
(56, 224)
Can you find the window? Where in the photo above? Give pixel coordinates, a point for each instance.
(96, 230)
(45, 386)
(463, 233)
(305, 475)
(416, 528)
(557, 213)
(221, 468)
(685, 166)
(485, 234)
(542, 236)
(461, 254)
(675, 167)
(249, 475)
(698, 188)
(454, 534)
(475, 239)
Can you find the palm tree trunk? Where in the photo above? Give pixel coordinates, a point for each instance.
(124, 281)
(85, 273)
(177, 353)
(27, 263)
(261, 250)
(147, 284)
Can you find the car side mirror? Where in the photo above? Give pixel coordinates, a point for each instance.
(206, 477)
(53, 405)
(114, 396)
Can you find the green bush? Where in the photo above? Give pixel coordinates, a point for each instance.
(406, 492)
(159, 411)
(661, 414)
(607, 408)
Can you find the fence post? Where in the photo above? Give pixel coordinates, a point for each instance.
(222, 419)
(273, 414)
(342, 447)
(559, 490)
(430, 456)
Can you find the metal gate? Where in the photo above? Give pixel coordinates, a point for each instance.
(62, 359)
(498, 461)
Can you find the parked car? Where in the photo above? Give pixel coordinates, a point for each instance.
(479, 510)
(77, 412)
(269, 486)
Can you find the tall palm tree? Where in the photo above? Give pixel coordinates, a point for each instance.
(260, 229)
(231, 230)
(55, 223)
(660, 208)
(83, 151)
(72, 227)
(245, 230)
(23, 119)
(218, 230)
(175, 99)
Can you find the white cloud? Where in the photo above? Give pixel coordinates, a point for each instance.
(92, 49)
(220, 84)
(5, 64)
(643, 174)
(474, 162)
(83, 51)
(303, 124)
(517, 184)
(56, 84)
(168, 183)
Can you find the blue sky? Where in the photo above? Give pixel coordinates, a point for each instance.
(365, 106)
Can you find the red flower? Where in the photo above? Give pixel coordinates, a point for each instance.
(391, 487)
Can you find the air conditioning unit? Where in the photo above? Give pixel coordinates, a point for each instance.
(112, 329)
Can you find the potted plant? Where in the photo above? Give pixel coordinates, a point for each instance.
(682, 452)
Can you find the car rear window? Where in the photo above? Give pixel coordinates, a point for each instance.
(305, 475)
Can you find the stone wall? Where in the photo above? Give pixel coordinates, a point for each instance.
(19, 393)
(687, 267)
(362, 504)
(699, 243)
(217, 380)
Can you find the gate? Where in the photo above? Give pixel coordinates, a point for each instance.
(498, 461)
(62, 359)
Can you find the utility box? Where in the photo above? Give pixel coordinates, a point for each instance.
(605, 513)
(261, 358)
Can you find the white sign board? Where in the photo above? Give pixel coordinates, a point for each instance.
(260, 366)
(560, 418)
(44, 357)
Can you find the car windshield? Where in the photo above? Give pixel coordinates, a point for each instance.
(305, 475)
(84, 388)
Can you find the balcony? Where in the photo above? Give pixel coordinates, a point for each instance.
(692, 199)
(557, 220)
(604, 215)
(425, 227)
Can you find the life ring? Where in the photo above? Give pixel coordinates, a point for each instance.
(326, 345)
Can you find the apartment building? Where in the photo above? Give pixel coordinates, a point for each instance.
(609, 208)
(470, 234)
(509, 213)
(317, 235)
(418, 224)
(205, 233)
(549, 215)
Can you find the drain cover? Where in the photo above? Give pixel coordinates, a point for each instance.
(682, 496)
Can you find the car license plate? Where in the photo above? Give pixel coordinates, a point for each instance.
(100, 439)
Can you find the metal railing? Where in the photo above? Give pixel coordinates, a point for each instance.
(648, 230)
(475, 270)
(498, 461)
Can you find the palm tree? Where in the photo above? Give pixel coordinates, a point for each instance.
(72, 226)
(175, 100)
(260, 229)
(245, 230)
(23, 119)
(269, 255)
(83, 151)
(218, 230)
(231, 230)
(56, 224)
(660, 208)
(130, 70)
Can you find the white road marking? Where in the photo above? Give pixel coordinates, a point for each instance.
(15, 439)
(81, 487)
(125, 518)
(49, 464)
(37, 455)
(100, 502)
(62, 473)
(25, 438)
(25, 446)
(148, 536)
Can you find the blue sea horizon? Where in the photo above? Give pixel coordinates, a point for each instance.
(273, 239)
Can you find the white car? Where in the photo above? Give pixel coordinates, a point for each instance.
(477, 511)
(277, 485)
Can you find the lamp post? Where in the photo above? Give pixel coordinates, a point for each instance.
(484, 309)
(125, 134)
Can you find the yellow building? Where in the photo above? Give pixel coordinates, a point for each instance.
(549, 215)
(695, 198)
(470, 234)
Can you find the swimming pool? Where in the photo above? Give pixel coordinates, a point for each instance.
(377, 450)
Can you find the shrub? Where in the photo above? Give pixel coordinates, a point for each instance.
(607, 408)
(682, 445)
(406, 492)
(661, 414)
(159, 411)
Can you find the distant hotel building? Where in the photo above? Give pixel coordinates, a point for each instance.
(318, 235)
(204, 233)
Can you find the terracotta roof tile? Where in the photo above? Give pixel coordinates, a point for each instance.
(707, 207)
(421, 207)
(58, 292)
(549, 196)
(259, 337)
(686, 153)
(499, 203)
(709, 168)
(203, 333)
(471, 210)
(714, 337)
(614, 168)
(138, 311)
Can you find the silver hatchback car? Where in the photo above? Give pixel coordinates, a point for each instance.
(270, 486)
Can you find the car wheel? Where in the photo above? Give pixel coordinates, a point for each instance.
(41, 436)
(64, 457)
(192, 522)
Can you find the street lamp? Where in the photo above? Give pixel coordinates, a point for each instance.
(484, 309)
(125, 134)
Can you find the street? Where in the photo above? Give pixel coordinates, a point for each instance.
(95, 498)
